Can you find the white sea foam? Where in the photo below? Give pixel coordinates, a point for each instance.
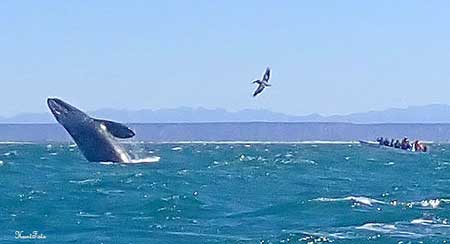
(142, 218)
(422, 221)
(153, 159)
(16, 142)
(320, 237)
(10, 153)
(176, 148)
(427, 203)
(308, 161)
(327, 142)
(399, 229)
(378, 227)
(357, 199)
(253, 142)
(88, 215)
(433, 203)
(107, 163)
(195, 234)
(84, 182)
(108, 192)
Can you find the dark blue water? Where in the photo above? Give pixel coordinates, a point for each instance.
(226, 193)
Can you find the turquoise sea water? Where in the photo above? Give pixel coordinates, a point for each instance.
(226, 193)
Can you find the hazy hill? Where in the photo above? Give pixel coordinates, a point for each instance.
(436, 113)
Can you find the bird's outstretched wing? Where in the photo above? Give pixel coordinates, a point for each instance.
(266, 75)
(257, 81)
(258, 90)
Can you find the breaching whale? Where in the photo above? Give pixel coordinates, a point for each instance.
(94, 137)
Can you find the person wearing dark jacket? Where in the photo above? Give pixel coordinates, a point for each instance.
(405, 144)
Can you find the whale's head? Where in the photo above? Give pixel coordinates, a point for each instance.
(65, 113)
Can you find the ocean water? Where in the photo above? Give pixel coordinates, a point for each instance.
(226, 193)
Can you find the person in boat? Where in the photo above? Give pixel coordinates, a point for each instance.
(416, 146)
(386, 142)
(397, 144)
(380, 140)
(424, 147)
(405, 144)
(420, 147)
(392, 143)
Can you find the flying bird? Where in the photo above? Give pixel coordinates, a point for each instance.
(262, 83)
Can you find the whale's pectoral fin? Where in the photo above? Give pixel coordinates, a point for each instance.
(117, 129)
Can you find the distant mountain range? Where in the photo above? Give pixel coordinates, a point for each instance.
(435, 113)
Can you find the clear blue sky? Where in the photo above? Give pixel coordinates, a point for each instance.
(328, 57)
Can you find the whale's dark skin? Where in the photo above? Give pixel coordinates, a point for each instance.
(95, 138)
